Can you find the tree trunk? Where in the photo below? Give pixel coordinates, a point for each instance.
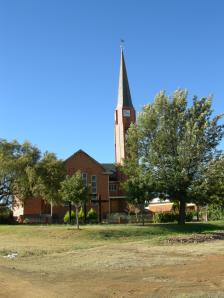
(143, 219)
(206, 213)
(142, 209)
(197, 211)
(136, 215)
(85, 213)
(70, 213)
(77, 216)
(51, 212)
(182, 212)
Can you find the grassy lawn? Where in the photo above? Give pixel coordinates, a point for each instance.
(110, 261)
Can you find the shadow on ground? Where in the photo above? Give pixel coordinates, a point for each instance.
(154, 230)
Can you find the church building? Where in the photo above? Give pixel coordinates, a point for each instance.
(106, 195)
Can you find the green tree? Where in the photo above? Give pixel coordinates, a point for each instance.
(209, 187)
(15, 161)
(45, 178)
(25, 173)
(136, 186)
(74, 190)
(214, 181)
(175, 143)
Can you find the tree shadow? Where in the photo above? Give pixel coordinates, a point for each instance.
(154, 230)
(190, 228)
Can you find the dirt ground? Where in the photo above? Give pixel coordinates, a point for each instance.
(112, 269)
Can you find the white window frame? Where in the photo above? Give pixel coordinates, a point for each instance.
(94, 184)
(112, 187)
(85, 178)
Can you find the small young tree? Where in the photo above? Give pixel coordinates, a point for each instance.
(137, 193)
(74, 190)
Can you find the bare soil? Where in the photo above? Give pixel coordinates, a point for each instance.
(59, 267)
(219, 235)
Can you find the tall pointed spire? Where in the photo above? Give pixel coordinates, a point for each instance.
(124, 113)
(124, 95)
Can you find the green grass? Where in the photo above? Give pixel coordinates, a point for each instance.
(107, 232)
(133, 232)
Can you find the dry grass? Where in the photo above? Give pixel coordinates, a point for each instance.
(110, 261)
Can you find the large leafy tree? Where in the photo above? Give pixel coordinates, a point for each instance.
(74, 191)
(45, 178)
(25, 173)
(15, 160)
(175, 143)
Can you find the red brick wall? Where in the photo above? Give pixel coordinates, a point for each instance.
(84, 163)
(32, 206)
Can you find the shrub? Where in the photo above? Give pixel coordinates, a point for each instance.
(92, 216)
(190, 216)
(215, 212)
(26, 221)
(171, 217)
(66, 217)
(165, 217)
(81, 214)
(6, 215)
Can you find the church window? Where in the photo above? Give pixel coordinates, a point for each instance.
(94, 184)
(112, 187)
(84, 178)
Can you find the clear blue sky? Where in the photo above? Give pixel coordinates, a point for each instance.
(59, 64)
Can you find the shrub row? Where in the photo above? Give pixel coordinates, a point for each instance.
(91, 216)
(171, 217)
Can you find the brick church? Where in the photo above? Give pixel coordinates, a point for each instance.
(106, 195)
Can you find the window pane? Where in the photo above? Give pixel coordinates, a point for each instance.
(94, 184)
(84, 178)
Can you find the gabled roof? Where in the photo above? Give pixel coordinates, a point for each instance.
(90, 157)
(124, 95)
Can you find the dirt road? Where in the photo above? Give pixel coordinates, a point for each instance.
(118, 270)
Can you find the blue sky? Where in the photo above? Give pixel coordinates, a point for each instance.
(59, 65)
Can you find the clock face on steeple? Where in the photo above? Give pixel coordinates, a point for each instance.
(126, 113)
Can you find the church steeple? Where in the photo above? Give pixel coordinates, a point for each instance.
(124, 95)
(124, 113)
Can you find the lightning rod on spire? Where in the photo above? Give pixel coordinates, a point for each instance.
(122, 44)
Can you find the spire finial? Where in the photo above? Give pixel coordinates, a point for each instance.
(122, 44)
(124, 95)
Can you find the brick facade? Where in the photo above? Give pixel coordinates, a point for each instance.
(104, 200)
